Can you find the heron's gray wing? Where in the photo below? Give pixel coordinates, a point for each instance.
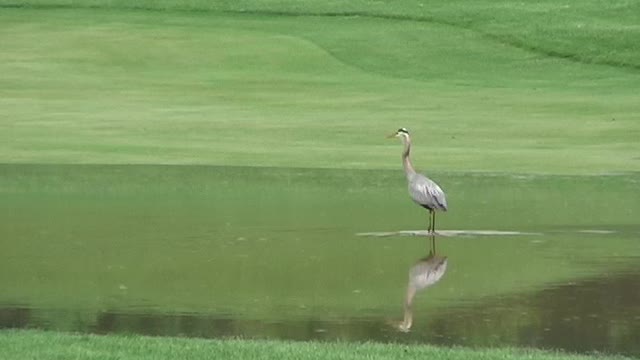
(426, 192)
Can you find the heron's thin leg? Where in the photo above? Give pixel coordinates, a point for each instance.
(429, 228)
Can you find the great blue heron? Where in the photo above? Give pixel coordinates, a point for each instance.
(424, 191)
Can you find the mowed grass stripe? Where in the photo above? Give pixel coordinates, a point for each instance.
(274, 91)
(551, 28)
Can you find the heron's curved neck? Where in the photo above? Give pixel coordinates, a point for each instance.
(406, 160)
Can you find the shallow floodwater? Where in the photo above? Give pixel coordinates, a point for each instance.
(542, 261)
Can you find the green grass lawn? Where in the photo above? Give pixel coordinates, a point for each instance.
(583, 31)
(39, 345)
(479, 90)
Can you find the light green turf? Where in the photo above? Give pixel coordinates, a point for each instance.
(122, 86)
(38, 345)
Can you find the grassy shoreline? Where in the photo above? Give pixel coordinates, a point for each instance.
(43, 345)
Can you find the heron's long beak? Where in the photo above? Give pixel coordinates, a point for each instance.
(390, 136)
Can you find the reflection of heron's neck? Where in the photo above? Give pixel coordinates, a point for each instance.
(406, 160)
(408, 313)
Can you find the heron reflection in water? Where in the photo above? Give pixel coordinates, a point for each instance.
(426, 272)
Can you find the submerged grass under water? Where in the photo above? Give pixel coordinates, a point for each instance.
(56, 345)
(281, 243)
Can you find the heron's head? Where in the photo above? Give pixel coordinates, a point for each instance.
(401, 133)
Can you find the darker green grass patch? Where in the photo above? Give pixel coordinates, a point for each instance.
(55, 345)
(592, 32)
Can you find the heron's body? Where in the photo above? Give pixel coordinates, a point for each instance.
(424, 191)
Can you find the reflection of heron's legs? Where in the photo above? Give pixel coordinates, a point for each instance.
(433, 222)
(433, 244)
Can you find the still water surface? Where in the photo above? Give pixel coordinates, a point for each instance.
(544, 261)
